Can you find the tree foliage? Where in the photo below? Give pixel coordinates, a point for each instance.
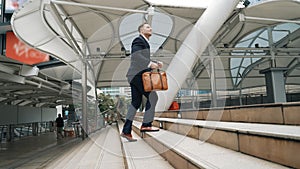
(105, 102)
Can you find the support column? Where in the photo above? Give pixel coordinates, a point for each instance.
(84, 99)
(84, 95)
(193, 46)
(213, 83)
(275, 84)
(9, 133)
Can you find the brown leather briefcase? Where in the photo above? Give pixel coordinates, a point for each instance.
(155, 81)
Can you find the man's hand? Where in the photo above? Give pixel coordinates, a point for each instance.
(160, 64)
(156, 65)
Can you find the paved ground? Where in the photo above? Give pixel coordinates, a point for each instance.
(30, 152)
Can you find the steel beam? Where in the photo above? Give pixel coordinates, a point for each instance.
(193, 46)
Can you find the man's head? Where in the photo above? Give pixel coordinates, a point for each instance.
(145, 29)
(59, 115)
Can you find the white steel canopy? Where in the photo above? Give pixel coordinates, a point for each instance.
(101, 31)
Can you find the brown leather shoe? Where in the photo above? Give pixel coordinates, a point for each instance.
(148, 129)
(128, 137)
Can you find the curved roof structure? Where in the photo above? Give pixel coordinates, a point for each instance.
(101, 32)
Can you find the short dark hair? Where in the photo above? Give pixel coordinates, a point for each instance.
(140, 27)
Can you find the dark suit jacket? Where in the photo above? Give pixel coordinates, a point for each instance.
(140, 58)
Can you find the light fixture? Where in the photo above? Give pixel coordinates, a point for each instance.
(124, 52)
(98, 49)
(127, 53)
(122, 48)
(102, 54)
(246, 3)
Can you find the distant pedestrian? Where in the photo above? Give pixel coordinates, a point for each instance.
(59, 126)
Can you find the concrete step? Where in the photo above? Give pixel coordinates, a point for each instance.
(279, 113)
(101, 150)
(276, 143)
(189, 153)
(140, 155)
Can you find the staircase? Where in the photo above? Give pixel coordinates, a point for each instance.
(261, 136)
(248, 137)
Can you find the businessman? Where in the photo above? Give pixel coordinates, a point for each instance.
(140, 63)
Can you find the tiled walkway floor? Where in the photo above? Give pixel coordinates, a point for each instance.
(35, 151)
(101, 150)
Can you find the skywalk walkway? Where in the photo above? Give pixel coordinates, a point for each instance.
(140, 155)
(34, 151)
(103, 149)
(182, 142)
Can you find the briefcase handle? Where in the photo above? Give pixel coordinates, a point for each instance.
(157, 70)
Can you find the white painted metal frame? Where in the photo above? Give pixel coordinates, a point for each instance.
(193, 46)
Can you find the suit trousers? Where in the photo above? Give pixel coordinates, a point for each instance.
(137, 93)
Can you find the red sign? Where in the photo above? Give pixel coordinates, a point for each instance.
(17, 50)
